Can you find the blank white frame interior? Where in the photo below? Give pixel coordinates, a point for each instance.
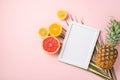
(78, 45)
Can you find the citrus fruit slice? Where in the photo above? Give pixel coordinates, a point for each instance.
(55, 29)
(62, 14)
(51, 45)
(43, 32)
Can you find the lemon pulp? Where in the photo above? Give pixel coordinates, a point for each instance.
(62, 14)
(43, 32)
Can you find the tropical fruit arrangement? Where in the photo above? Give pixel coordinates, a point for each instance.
(105, 53)
(51, 37)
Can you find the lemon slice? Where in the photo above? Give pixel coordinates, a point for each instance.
(55, 29)
(62, 14)
(51, 45)
(43, 32)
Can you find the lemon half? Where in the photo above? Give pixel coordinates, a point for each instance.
(43, 32)
(62, 14)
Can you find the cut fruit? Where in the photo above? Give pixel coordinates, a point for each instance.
(51, 45)
(62, 14)
(43, 32)
(55, 29)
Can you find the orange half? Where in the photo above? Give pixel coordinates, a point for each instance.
(51, 45)
(55, 29)
(43, 32)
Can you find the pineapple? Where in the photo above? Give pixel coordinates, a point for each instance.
(107, 53)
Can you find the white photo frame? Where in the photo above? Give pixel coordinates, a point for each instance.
(78, 45)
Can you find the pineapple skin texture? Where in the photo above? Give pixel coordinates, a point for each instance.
(106, 56)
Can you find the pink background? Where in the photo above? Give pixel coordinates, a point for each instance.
(21, 56)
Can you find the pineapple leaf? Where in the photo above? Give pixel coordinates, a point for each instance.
(118, 31)
(113, 32)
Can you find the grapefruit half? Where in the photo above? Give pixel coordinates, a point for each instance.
(51, 45)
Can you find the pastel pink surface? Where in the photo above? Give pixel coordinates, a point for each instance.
(21, 56)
